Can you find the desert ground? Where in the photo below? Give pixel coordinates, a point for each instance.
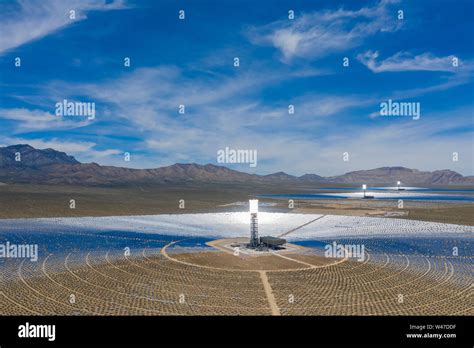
(28, 201)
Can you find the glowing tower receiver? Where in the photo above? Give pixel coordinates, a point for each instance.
(364, 187)
(253, 207)
(398, 184)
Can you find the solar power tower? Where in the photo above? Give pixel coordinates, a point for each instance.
(253, 205)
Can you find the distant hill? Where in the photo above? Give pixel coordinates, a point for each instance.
(53, 167)
(391, 175)
(32, 157)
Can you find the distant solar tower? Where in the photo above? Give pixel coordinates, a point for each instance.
(253, 206)
(364, 187)
(398, 184)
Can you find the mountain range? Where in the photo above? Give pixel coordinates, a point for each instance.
(25, 164)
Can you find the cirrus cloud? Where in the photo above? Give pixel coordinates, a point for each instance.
(316, 34)
(30, 20)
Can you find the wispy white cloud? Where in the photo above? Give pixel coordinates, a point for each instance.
(149, 97)
(29, 20)
(321, 33)
(34, 120)
(404, 61)
(451, 73)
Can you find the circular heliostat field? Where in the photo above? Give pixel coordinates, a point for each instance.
(405, 271)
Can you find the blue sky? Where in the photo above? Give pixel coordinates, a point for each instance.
(282, 61)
